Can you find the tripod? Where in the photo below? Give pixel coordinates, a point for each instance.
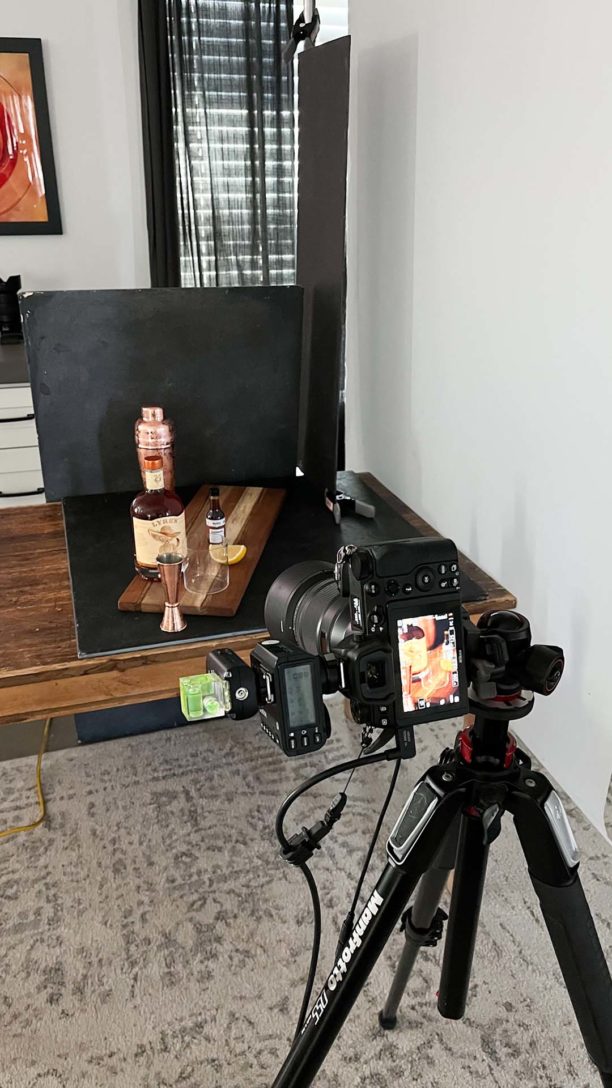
(448, 822)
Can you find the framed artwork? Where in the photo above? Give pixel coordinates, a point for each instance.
(28, 189)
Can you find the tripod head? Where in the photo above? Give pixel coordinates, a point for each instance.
(505, 668)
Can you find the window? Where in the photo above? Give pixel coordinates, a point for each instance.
(233, 113)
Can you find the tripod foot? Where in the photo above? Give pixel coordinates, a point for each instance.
(387, 1022)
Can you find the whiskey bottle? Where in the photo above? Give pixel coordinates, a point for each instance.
(158, 519)
(215, 519)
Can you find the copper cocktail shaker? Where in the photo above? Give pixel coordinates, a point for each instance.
(154, 435)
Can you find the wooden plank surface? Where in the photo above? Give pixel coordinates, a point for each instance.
(250, 516)
(40, 672)
(35, 595)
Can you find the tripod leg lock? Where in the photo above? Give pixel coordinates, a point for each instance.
(427, 938)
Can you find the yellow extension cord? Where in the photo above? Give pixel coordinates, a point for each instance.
(39, 789)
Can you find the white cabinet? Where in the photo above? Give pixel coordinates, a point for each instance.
(21, 480)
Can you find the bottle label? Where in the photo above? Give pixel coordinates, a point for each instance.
(151, 538)
(154, 479)
(216, 529)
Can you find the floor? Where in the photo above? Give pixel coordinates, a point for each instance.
(152, 938)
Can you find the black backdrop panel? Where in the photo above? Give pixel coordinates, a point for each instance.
(224, 363)
(321, 266)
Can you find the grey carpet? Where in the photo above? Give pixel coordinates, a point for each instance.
(151, 937)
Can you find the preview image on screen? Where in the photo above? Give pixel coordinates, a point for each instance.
(429, 669)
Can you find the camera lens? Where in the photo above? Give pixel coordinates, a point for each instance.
(305, 609)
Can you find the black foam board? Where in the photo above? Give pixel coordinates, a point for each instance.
(224, 363)
(323, 91)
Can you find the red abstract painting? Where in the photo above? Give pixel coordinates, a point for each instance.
(28, 194)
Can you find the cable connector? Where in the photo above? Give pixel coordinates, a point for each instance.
(303, 844)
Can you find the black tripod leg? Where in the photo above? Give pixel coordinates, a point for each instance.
(552, 857)
(468, 884)
(424, 823)
(422, 924)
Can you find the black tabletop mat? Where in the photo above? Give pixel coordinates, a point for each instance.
(99, 538)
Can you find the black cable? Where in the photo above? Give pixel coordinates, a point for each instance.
(374, 840)
(349, 922)
(350, 777)
(339, 768)
(316, 945)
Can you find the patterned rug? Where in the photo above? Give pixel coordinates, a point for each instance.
(152, 938)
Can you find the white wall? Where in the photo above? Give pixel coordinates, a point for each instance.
(479, 315)
(334, 19)
(90, 52)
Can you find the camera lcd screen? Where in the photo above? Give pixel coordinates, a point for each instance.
(428, 661)
(299, 696)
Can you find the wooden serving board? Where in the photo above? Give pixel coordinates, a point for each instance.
(250, 516)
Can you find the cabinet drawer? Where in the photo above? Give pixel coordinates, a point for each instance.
(18, 413)
(26, 500)
(17, 431)
(16, 396)
(19, 484)
(20, 460)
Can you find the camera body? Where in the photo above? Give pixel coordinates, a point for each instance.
(405, 653)
(383, 627)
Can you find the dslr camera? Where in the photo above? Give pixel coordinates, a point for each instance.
(384, 626)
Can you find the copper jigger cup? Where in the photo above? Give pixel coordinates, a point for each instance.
(170, 567)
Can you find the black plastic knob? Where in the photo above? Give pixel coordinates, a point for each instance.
(543, 668)
(425, 579)
(361, 564)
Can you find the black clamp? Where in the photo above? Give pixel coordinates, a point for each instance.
(339, 503)
(303, 844)
(302, 31)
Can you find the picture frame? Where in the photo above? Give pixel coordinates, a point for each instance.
(29, 201)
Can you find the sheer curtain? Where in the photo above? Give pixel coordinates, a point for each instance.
(233, 115)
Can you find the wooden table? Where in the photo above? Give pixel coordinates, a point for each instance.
(40, 673)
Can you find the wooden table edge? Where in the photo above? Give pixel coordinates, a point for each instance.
(138, 676)
(97, 683)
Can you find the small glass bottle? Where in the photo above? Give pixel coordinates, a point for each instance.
(215, 519)
(158, 519)
(448, 658)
